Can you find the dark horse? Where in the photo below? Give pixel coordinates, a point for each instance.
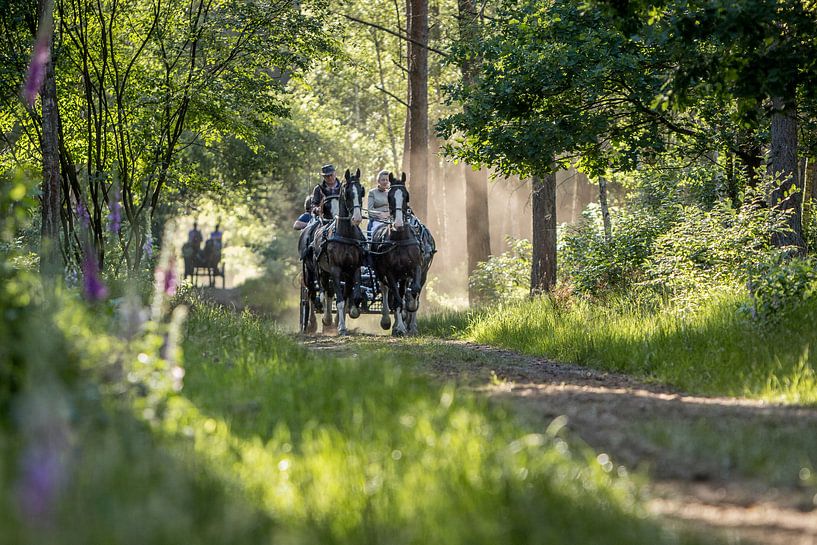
(428, 247)
(330, 209)
(338, 251)
(398, 260)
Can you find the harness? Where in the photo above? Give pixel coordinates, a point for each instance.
(326, 239)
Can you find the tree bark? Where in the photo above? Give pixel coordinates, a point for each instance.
(788, 194)
(477, 221)
(417, 11)
(50, 255)
(386, 109)
(605, 210)
(543, 270)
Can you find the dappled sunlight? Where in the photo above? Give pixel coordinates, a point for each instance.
(339, 448)
(715, 349)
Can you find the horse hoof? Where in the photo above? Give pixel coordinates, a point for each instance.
(343, 332)
(385, 324)
(354, 312)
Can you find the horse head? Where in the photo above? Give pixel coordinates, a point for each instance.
(398, 201)
(330, 207)
(353, 193)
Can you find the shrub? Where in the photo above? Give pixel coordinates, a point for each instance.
(505, 276)
(594, 265)
(710, 249)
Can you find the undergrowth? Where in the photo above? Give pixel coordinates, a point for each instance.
(716, 348)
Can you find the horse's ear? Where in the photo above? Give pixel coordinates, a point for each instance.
(391, 178)
(403, 178)
(347, 174)
(357, 174)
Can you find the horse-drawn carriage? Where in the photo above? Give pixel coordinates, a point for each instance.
(206, 262)
(343, 271)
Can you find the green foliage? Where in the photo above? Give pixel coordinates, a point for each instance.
(781, 286)
(709, 249)
(594, 265)
(506, 276)
(559, 83)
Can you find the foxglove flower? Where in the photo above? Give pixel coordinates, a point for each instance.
(36, 69)
(40, 477)
(166, 280)
(94, 288)
(115, 215)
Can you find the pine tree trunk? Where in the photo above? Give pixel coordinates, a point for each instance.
(788, 194)
(605, 210)
(418, 105)
(543, 270)
(477, 221)
(50, 257)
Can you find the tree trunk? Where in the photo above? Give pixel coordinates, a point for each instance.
(418, 105)
(50, 262)
(386, 109)
(543, 270)
(788, 194)
(476, 181)
(476, 221)
(605, 210)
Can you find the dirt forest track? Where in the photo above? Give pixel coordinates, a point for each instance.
(699, 487)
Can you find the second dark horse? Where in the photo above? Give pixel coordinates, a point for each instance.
(398, 260)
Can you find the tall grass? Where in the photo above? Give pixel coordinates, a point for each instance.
(268, 443)
(715, 349)
(361, 450)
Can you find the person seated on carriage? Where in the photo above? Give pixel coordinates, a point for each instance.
(216, 237)
(194, 236)
(304, 219)
(378, 203)
(330, 186)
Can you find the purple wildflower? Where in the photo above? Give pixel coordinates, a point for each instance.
(115, 216)
(166, 279)
(36, 69)
(39, 483)
(95, 289)
(83, 216)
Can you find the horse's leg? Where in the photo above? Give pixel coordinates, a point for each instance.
(353, 294)
(385, 319)
(340, 297)
(413, 291)
(327, 299)
(411, 324)
(399, 324)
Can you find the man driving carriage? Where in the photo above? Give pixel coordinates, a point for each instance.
(330, 186)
